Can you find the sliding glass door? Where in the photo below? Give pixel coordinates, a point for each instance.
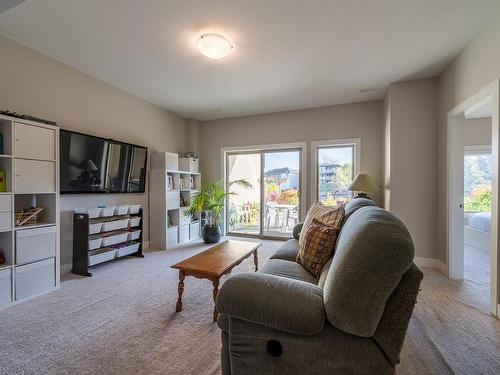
(243, 205)
(271, 207)
(281, 192)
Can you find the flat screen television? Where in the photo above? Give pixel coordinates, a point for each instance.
(98, 165)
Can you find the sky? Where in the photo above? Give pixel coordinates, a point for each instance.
(291, 159)
(273, 160)
(340, 155)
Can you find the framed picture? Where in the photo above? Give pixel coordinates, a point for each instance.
(170, 182)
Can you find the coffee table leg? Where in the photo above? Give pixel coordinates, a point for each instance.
(215, 283)
(180, 289)
(255, 260)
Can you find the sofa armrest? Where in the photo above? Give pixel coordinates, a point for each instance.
(296, 230)
(276, 302)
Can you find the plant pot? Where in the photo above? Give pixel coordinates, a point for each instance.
(211, 234)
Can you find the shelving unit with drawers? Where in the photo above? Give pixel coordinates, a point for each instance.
(30, 168)
(105, 233)
(172, 183)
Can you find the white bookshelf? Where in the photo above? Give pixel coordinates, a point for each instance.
(30, 160)
(170, 192)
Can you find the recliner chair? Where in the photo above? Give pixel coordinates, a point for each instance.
(352, 320)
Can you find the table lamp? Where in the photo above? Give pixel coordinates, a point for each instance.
(363, 183)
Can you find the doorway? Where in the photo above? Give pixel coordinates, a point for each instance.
(274, 203)
(477, 203)
(472, 185)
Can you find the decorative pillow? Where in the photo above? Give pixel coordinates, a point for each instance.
(329, 216)
(318, 248)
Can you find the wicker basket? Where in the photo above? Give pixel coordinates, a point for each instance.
(27, 216)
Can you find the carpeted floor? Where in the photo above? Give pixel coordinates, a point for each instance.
(123, 321)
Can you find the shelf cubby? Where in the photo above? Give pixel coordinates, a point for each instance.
(6, 165)
(46, 201)
(7, 249)
(6, 131)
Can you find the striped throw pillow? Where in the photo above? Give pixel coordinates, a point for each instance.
(318, 246)
(330, 216)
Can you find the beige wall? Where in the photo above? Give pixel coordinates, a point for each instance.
(363, 120)
(386, 119)
(477, 132)
(192, 135)
(410, 115)
(475, 67)
(35, 84)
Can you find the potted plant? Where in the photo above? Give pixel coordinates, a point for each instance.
(210, 200)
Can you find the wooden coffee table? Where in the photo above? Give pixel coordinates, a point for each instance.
(213, 263)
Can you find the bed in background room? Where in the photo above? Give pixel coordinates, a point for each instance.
(477, 230)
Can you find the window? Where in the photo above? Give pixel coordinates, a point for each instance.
(335, 164)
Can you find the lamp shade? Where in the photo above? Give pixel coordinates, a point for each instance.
(363, 182)
(88, 165)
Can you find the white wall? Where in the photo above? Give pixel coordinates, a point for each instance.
(35, 84)
(476, 66)
(410, 115)
(363, 120)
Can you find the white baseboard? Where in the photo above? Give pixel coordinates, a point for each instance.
(433, 263)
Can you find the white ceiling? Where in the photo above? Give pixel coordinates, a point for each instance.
(289, 54)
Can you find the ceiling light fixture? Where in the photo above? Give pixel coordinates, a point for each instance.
(213, 45)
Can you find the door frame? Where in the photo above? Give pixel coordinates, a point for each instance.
(455, 188)
(302, 146)
(315, 145)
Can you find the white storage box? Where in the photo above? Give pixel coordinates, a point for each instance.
(35, 278)
(134, 222)
(34, 142)
(183, 233)
(173, 200)
(95, 228)
(95, 243)
(107, 211)
(5, 220)
(127, 250)
(114, 225)
(183, 218)
(188, 165)
(122, 209)
(113, 240)
(5, 203)
(194, 231)
(165, 160)
(134, 209)
(101, 257)
(34, 176)
(5, 287)
(172, 237)
(35, 244)
(92, 212)
(134, 235)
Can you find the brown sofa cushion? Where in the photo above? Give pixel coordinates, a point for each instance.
(319, 244)
(327, 215)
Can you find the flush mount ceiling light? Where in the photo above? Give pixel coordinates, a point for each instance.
(215, 46)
